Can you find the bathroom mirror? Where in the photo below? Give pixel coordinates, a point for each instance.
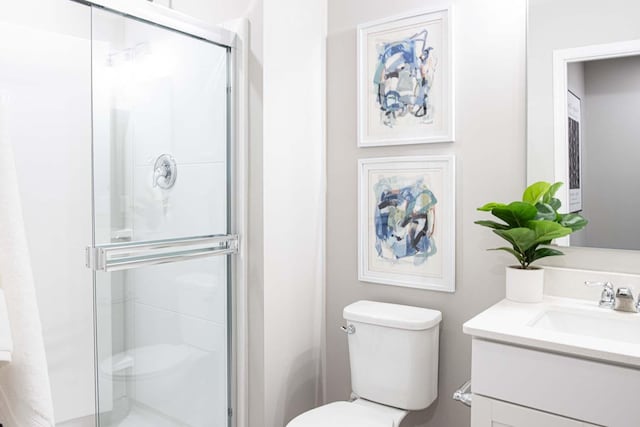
(583, 125)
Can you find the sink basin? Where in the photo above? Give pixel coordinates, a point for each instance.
(575, 327)
(591, 325)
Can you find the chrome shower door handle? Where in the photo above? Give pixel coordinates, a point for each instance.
(124, 256)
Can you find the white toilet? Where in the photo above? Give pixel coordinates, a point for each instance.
(393, 350)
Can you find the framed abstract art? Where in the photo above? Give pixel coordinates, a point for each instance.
(406, 221)
(405, 80)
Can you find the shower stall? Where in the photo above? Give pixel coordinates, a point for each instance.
(160, 249)
(162, 232)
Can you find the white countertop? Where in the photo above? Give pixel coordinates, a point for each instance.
(511, 322)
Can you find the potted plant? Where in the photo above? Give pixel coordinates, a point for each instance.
(529, 226)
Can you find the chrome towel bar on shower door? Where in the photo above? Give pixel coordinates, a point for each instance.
(124, 256)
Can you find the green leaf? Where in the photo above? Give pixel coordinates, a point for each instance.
(545, 211)
(544, 252)
(516, 214)
(513, 252)
(521, 238)
(535, 192)
(573, 221)
(492, 224)
(546, 231)
(555, 203)
(552, 192)
(490, 206)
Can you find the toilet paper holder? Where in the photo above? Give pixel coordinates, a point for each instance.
(463, 394)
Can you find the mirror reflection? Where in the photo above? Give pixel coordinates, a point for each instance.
(603, 101)
(583, 89)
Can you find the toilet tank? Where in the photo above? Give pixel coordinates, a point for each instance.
(393, 353)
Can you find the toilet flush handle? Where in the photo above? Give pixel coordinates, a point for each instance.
(348, 329)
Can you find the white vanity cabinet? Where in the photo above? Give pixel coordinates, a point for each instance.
(561, 362)
(515, 386)
(487, 412)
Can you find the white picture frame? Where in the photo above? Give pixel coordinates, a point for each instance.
(406, 221)
(406, 102)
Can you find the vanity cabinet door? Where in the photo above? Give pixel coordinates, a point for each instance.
(487, 412)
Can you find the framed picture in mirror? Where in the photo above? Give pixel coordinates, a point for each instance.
(574, 142)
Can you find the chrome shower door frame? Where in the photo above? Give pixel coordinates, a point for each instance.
(168, 18)
(233, 243)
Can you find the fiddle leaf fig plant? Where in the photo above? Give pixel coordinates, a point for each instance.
(530, 225)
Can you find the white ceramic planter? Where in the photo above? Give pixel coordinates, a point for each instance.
(525, 285)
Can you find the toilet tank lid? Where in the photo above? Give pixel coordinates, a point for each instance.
(392, 315)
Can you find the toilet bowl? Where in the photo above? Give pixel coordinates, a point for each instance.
(393, 354)
(359, 413)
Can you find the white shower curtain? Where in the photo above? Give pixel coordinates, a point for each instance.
(25, 392)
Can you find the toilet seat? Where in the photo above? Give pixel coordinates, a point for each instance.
(359, 413)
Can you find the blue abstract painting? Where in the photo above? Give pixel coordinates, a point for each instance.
(403, 79)
(404, 220)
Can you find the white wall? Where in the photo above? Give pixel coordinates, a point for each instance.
(490, 149)
(293, 205)
(214, 12)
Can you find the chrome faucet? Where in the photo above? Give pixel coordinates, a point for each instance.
(624, 301)
(620, 300)
(607, 297)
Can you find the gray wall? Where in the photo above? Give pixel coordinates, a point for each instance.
(612, 152)
(490, 149)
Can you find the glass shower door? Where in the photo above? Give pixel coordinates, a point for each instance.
(161, 225)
